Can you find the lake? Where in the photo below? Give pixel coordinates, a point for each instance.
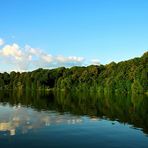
(64, 119)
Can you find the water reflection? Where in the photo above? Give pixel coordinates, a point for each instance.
(23, 112)
(20, 119)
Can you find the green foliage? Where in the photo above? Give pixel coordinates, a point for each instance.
(136, 87)
(123, 77)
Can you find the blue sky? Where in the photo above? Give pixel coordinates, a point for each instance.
(71, 32)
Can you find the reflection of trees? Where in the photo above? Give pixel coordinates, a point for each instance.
(127, 109)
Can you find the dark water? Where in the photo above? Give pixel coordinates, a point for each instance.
(72, 120)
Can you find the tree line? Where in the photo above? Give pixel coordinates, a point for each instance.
(123, 77)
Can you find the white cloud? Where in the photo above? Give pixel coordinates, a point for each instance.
(13, 56)
(11, 50)
(1, 42)
(95, 62)
(28, 58)
(63, 59)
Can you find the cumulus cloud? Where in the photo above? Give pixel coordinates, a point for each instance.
(12, 50)
(95, 62)
(28, 58)
(1, 42)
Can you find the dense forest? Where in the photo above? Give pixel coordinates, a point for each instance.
(123, 77)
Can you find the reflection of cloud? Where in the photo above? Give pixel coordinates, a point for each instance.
(12, 132)
(94, 118)
(25, 120)
(4, 126)
(7, 127)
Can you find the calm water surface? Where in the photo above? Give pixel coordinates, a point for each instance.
(72, 120)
